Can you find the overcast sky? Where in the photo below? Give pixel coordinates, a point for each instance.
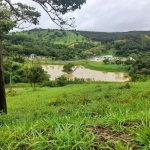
(104, 15)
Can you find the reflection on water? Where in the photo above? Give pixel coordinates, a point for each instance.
(71, 76)
(80, 72)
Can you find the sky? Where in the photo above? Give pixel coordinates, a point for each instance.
(103, 15)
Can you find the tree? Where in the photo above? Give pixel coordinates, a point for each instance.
(61, 81)
(17, 15)
(68, 67)
(36, 74)
(108, 46)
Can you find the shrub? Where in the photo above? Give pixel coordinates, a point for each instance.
(62, 81)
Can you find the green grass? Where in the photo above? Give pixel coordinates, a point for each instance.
(18, 85)
(99, 66)
(70, 39)
(88, 116)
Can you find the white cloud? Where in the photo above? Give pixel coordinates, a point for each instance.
(104, 15)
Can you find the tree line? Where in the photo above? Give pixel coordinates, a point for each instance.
(105, 37)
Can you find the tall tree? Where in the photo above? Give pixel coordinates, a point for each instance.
(18, 15)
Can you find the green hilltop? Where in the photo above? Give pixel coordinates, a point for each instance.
(53, 35)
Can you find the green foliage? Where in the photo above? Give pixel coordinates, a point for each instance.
(133, 46)
(108, 46)
(140, 68)
(6, 24)
(105, 61)
(36, 74)
(44, 43)
(61, 81)
(118, 62)
(22, 73)
(11, 92)
(10, 16)
(68, 67)
(101, 67)
(125, 86)
(11, 68)
(105, 37)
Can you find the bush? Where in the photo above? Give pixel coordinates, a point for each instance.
(49, 84)
(16, 79)
(125, 86)
(62, 81)
(68, 67)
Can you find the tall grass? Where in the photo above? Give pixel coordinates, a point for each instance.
(88, 116)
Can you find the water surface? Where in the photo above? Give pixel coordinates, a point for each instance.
(81, 72)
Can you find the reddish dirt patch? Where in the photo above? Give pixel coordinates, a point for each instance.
(111, 137)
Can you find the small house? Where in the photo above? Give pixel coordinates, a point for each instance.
(109, 57)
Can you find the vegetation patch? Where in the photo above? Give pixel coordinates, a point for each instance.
(108, 138)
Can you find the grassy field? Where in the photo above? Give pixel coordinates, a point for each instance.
(89, 116)
(100, 66)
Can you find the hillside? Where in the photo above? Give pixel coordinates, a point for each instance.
(112, 36)
(53, 35)
(87, 116)
(77, 45)
(56, 44)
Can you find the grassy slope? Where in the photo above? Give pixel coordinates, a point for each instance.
(87, 116)
(70, 37)
(100, 66)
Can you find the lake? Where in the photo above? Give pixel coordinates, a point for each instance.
(81, 72)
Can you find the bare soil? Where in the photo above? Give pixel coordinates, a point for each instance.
(107, 136)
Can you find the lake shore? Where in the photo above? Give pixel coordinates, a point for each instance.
(81, 72)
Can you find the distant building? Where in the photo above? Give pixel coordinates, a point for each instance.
(130, 58)
(34, 56)
(109, 57)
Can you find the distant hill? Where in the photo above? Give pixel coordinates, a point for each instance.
(52, 36)
(57, 44)
(112, 36)
(73, 44)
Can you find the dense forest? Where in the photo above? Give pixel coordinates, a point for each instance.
(105, 37)
(133, 45)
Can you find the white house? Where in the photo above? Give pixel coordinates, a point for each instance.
(109, 57)
(34, 57)
(130, 58)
